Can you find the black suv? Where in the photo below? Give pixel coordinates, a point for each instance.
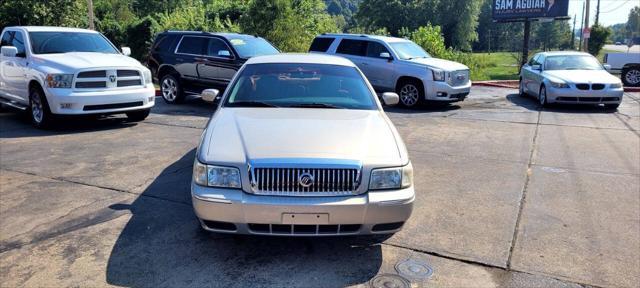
(186, 62)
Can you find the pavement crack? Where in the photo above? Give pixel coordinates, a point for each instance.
(523, 197)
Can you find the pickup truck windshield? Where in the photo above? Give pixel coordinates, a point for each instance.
(63, 42)
(248, 47)
(572, 62)
(409, 50)
(300, 86)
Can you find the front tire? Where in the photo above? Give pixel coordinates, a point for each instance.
(411, 93)
(39, 112)
(631, 76)
(136, 116)
(542, 96)
(521, 92)
(171, 90)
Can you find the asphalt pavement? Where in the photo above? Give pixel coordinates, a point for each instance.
(508, 194)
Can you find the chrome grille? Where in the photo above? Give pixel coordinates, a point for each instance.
(458, 78)
(286, 181)
(108, 79)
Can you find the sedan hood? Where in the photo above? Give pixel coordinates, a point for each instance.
(582, 76)
(240, 135)
(68, 62)
(439, 64)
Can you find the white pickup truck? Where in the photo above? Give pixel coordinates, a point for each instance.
(627, 64)
(51, 71)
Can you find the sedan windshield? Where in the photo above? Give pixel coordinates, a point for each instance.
(248, 47)
(572, 62)
(63, 42)
(409, 50)
(301, 86)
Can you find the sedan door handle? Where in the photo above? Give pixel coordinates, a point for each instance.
(179, 59)
(202, 59)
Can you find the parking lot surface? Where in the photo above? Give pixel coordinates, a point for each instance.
(508, 194)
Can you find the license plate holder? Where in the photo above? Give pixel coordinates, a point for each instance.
(305, 218)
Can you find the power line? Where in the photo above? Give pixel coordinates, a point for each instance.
(614, 9)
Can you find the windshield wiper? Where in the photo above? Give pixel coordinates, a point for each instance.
(251, 104)
(315, 105)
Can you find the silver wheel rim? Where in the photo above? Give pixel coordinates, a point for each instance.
(409, 95)
(37, 111)
(543, 96)
(169, 89)
(633, 76)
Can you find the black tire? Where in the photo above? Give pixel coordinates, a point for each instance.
(631, 76)
(411, 93)
(542, 96)
(138, 115)
(612, 106)
(521, 92)
(39, 112)
(170, 89)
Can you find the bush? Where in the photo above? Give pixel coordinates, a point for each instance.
(598, 38)
(141, 35)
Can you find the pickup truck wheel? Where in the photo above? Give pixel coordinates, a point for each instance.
(170, 88)
(139, 115)
(631, 76)
(410, 93)
(39, 111)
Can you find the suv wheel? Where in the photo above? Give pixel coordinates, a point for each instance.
(139, 115)
(631, 76)
(39, 111)
(170, 88)
(410, 93)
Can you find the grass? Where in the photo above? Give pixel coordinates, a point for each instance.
(499, 66)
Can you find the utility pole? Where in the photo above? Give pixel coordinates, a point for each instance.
(597, 13)
(90, 14)
(525, 43)
(586, 25)
(573, 33)
(581, 26)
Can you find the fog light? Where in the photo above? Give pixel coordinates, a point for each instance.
(66, 105)
(441, 94)
(151, 99)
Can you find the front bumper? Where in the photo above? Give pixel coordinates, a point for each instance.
(70, 102)
(575, 96)
(235, 211)
(442, 91)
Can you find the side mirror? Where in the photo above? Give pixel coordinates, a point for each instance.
(224, 53)
(607, 67)
(126, 51)
(390, 98)
(209, 95)
(385, 55)
(9, 51)
(536, 67)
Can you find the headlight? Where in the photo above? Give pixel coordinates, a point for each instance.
(59, 80)
(616, 86)
(146, 73)
(391, 178)
(438, 75)
(559, 84)
(216, 176)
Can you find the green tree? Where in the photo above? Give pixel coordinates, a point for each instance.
(289, 24)
(633, 23)
(598, 38)
(71, 13)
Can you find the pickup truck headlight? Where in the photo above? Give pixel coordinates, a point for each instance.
(438, 75)
(216, 176)
(59, 80)
(616, 86)
(146, 73)
(559, 84)
(391, 178)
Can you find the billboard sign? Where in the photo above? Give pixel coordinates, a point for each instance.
(522, 9)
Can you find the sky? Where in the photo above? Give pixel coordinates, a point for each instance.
(611, 11)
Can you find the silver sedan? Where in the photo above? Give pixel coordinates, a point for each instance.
(570, 77)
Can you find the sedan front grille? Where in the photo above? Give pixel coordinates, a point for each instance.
(305, 181)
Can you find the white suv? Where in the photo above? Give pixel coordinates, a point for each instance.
(399, 65)
(52, 71)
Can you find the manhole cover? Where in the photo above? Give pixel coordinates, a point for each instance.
(414, 269)
(389, 281)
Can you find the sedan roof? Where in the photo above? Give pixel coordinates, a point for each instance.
(312, 58)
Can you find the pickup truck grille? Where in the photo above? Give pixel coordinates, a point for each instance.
(305, 181)
(458, 78)
(106, 79)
